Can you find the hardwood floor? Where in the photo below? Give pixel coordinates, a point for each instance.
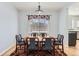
(72, 51)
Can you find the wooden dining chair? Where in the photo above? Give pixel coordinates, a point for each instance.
(34, 34)
(59, 41)
(32, 44)
(21, 37)
(43, 34)
(48, 45)
(19, 43)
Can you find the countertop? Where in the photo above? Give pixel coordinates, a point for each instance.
(73, 29)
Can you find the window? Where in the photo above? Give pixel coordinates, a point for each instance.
(38, 23)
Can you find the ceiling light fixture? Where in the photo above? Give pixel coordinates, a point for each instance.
(39, 9)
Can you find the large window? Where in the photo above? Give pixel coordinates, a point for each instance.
(38, 23)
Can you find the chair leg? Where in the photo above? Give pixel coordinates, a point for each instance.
(16, 49)
(62, 48)
(38, 52)
(27, 51)
(54, 52)
(54, 49)
(24, 49)
(16, 52)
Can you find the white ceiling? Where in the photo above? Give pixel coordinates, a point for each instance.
(45, 6)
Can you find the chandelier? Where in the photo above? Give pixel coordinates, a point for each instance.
(39, 11)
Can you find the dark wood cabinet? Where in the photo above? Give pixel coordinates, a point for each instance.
(72, 36)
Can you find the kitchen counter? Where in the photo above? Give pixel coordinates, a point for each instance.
(73, 29)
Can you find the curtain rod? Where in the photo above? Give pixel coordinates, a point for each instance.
(29, 15)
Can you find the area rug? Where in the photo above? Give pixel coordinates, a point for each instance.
(40, 53)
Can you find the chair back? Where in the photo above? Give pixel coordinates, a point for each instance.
(60, 38)
(34, 34)
(48, 43)
(43, 34)
(18, 38)
(31, 43)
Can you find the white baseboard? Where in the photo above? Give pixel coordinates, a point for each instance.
(8, 51)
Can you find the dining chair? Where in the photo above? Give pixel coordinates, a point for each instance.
(34, 34)
(48, 45)
(32, 44)
(59, 41)
(20, 43)
(43, 34)
(21, 36)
